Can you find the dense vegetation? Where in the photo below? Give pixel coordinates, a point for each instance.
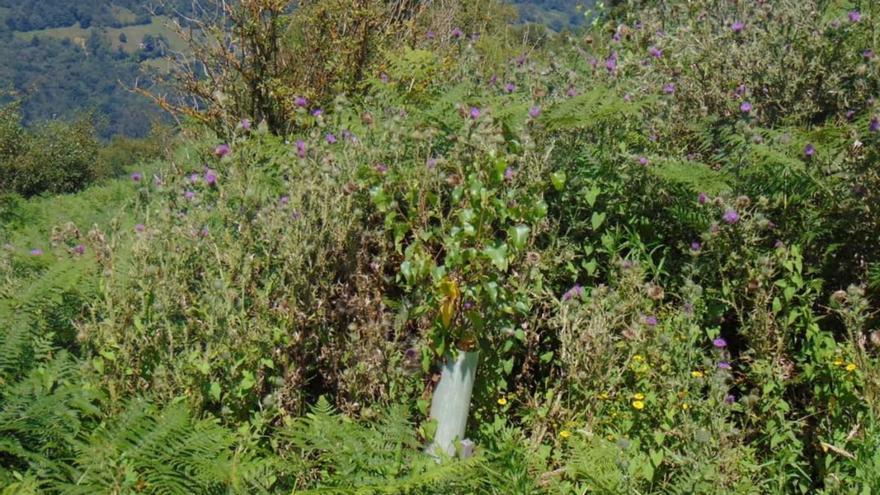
(662, 234)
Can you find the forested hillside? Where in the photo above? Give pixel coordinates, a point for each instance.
(404, 247)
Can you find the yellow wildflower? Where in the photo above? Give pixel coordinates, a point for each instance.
(685, 406)
(639, 396)
(502, 401)
(639, 405)
(638, 357)
(851, 367)
(697, 374)
(564, 434)
(610, 437)
(604, 396)
(838, 361)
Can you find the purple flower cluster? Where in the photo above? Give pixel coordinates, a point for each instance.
(730, 217)
(611, 62)
(222, 150)
(575, 291)
(809, 150)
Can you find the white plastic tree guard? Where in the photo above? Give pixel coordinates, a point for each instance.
(452, 401)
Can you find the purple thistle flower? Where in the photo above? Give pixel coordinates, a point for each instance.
(137, 176)
(778, 244)
(616, 37)
(284, 200)
(300, 148)
(855, 16)
(730, 399)
(723, 365)
(571, 93)
(222, 150)
(720, 343)
(493, 80)
(189, 195)
(655, 52)
(850, 114)
(79, 249)
(331, 139)
(737, 27)
(643, 160)
(508, 173)
(430, 35)
(139, 228)
(651, 321)
(730, 217)
(246, 124)
(300, 101)
(317, 112)
(741, 90)
(745, 107)
(475, 113)
(36, 252)
(510, 87)
(520, 60)
(468, 305)
(809, 150)
(696, 246)
(456, 33)
(702, 198)
(431, 163)
(210, 177)
(381, 168)
(868, 54)
(411, 354)
(669, 89)
(575, 291)
(384, 78)
(535, 112)
(874, 125)
(611, 62)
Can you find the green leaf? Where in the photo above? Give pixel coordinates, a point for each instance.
(558, 180)
(247, 382)
(519, 235)
(497, 255)
(597, 219)
(592, 195)
(507, 365)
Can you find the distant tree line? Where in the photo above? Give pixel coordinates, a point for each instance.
(60, 78)
(31, 15)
